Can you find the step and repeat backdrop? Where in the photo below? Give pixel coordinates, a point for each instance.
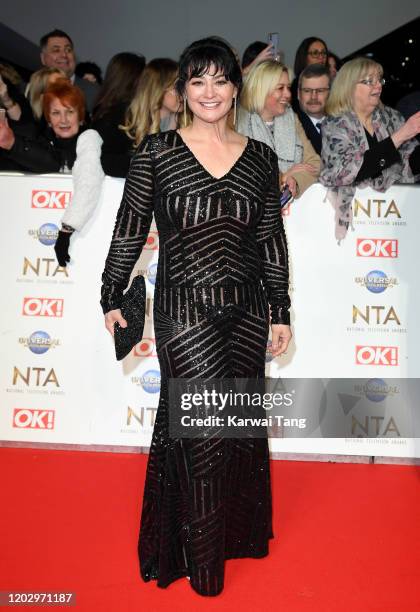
(355, 310)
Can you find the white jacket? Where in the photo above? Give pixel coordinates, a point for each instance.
(88, 178)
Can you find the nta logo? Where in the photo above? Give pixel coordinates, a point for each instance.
(43, 266)
(50, 199)
(376, 208)
(379, 315)
(39, 377)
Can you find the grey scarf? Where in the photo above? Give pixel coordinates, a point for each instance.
(284, 139)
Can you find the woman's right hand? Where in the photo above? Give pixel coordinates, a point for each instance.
(114, 316)
(265, 54)
(409, 130)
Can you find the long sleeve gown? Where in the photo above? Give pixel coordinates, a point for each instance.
(222, 272)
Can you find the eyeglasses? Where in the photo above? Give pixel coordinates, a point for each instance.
(310, 91)
(372, 82)
(317, 53)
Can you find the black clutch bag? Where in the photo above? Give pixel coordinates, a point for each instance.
(133, 309)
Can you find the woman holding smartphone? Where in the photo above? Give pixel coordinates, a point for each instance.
(222, 265)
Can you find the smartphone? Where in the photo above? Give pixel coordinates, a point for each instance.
(2, 115)
(285, 196)
(274, 39)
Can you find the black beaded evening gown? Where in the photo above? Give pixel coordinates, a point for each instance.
(222, 262)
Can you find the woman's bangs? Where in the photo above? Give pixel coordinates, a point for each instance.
(209, 63)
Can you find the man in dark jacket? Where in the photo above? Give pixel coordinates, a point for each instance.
(313, 92)
(57, 51)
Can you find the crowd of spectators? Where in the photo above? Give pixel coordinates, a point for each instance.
(325, 121)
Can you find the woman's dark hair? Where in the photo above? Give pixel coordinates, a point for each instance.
(120, 82)
(198, 57)
(83, 68)
(338, 62)
(301, 58)
(252, 51)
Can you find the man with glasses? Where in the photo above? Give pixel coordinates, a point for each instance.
(313, 91)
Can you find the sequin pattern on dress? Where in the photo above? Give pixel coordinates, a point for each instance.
(222, 273)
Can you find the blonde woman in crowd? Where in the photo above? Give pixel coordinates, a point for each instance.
(155, 106)
(265, 114)
(37, 86)
(364, 142)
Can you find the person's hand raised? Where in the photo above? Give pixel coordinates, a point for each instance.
(409, 130)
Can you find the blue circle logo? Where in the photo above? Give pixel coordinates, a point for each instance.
(150, 381)
(376, 389)
(151, 273)
(47, 234)
(376, 281)
(39, 342)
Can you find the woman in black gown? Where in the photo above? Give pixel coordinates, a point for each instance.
(222, 265)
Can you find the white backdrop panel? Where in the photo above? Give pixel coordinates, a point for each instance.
(60, 383)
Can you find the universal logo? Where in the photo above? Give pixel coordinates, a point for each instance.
(149, 380)
(46, 234)
(376, 281)
(39, 342)
(376, 390)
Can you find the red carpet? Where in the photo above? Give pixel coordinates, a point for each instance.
(347, 537)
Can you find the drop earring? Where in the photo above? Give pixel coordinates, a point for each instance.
(234, 111)
(185, 111)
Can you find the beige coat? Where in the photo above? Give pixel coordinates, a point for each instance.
(305, 179)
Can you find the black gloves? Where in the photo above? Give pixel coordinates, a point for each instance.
(61, 248)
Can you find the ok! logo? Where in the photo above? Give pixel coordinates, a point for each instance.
(42, 198)
(42, 307)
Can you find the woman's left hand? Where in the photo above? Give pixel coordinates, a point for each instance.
(280, 338)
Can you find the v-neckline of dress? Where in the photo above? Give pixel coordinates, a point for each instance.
(197, 161)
